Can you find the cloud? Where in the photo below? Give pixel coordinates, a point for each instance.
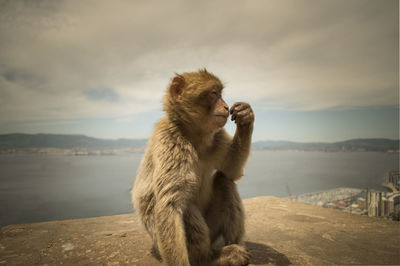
(305, 55)
(102, 94)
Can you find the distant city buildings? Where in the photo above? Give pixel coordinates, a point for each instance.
(385, 204)
(382, 204)
(73, 152)
(360, 201)
(392, 180)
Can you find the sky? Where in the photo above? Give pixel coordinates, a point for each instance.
(312, 70)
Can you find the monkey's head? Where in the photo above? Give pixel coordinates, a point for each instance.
(194, 99)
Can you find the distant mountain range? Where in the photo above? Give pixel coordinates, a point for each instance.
(43, 141)
(31, 141)
(382, 145)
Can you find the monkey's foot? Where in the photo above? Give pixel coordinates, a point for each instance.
(233, 255)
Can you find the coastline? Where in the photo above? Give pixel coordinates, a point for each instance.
(127, 151)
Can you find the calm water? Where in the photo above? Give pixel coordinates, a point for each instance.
(42, 188)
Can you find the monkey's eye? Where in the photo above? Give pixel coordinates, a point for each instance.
(214, 94)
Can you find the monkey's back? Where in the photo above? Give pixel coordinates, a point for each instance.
(143, 191)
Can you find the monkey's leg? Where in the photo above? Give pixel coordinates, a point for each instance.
(197, 236)
(225, 217)
(225, 214)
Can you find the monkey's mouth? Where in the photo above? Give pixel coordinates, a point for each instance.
(222, 115)
(221, 119)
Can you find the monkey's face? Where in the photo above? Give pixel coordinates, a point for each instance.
(195, 98)
(218, 111)
(207, 108)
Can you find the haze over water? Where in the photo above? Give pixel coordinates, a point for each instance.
(42, 188)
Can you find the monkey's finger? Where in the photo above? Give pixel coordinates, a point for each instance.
(236, 114)
(235, 106)
(233, 117)
(233, 114)
(247, 119)
(243, 113)
(232, 109)
(239, 107)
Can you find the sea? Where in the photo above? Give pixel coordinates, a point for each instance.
(37, 188)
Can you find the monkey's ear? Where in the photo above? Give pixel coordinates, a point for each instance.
(176, 87)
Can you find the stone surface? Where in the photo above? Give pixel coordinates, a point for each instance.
(279, 232)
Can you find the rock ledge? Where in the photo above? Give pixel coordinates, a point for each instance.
(278, 232)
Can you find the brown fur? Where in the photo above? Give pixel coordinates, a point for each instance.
(184, 190)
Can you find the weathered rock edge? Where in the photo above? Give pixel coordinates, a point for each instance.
(278, 232)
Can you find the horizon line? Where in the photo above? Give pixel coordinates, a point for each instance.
(124, 138)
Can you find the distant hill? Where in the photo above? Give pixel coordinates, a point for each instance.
(348, 145)
(41, 141)
(28, 141)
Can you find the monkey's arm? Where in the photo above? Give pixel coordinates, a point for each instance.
(174, 186)
(238, 147)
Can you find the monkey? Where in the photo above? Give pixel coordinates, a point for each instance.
(185, 191)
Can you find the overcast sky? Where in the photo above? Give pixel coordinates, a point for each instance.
(312, 70)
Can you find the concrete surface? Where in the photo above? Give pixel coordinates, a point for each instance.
(279, 232)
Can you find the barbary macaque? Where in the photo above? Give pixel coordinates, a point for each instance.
(185, 191)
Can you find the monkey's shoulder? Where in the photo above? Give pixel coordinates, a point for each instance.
(168, 142)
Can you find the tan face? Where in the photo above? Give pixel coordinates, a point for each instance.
(197, 98)
(219, 110)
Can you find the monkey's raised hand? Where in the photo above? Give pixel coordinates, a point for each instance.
(242, 114)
